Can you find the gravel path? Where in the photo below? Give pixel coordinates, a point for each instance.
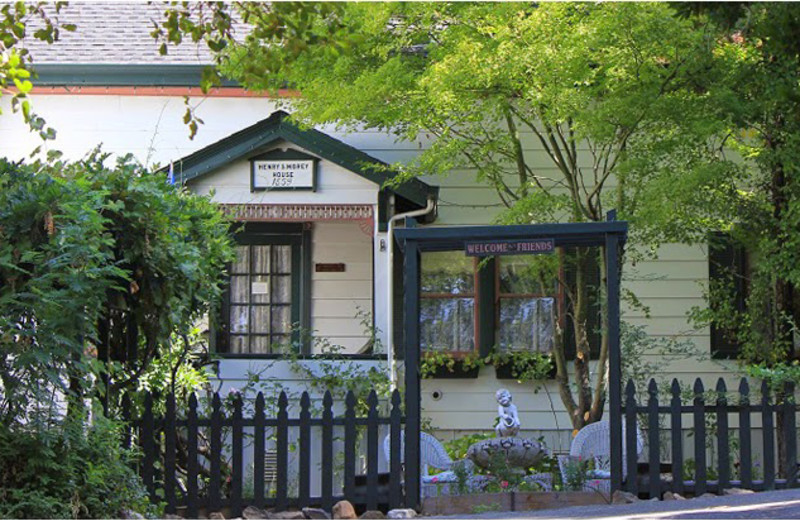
(768, 504)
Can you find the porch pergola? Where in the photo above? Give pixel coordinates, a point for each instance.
(535, 237)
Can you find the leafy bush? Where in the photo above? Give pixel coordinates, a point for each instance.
(575, 473)
(100, 268)
(69, 471)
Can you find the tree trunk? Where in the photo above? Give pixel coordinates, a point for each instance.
(582, 349)
(601, 386)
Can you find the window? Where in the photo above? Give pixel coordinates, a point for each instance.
(263, 299)
(447, 302)
(727, 265)
(526, 303)
(510, 303)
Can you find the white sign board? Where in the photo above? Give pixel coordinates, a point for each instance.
(283, 174)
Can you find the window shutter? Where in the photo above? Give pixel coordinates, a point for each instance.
(726, 257)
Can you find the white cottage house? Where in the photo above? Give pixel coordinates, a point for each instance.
(317, 214)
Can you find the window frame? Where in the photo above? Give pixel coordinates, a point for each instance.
(558, 304)
(296, 235)
(475, 295)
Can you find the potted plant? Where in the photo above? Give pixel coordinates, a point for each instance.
(450, 365)
(522, 365)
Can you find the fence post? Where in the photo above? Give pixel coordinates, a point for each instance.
(191, 456)
(699, 439)
(214, 499)
(654, 448)
(372, 451)
(148, 446)
(169, 454)
(327, 451)
(395, 469)
(304, 488)
(236, 458)
(350, 445)
(723, 446)
(676, 425)
(411, 359)
(282, 446)
(613, 270)
(745, 441)
(259, 452)
(768, 423)
(631, 439)
(790, 435)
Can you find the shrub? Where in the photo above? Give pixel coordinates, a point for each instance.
(70, 470)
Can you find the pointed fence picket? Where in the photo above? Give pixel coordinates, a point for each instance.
(195, 462)
(709, 464)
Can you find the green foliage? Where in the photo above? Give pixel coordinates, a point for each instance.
(432, 361)
(732, 165)
(69, 471)
(575, 471)
(15, 60)
(777, 375)
(646, 357)
(526, 365)
(86, 247)
(457, 448)
(506, 476)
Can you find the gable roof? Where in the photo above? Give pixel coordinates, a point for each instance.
(277, 127)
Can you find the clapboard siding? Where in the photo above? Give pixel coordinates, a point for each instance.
(350, 290)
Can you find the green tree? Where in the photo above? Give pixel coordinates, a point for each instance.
(583, 81)
(99, 267)
(739, 171)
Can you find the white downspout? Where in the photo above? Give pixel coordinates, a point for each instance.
(390, 285)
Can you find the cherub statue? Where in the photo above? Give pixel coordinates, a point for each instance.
(508, 424)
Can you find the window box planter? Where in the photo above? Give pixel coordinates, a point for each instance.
(458, 372)
(514, 501)
(506, 370)
(450, 365)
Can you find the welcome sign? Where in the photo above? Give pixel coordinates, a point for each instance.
(510, 247)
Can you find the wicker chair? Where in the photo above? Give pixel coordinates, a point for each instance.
(593, 442)
(431, 453)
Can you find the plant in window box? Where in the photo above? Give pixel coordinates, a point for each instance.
(447, 365)
(522, 365)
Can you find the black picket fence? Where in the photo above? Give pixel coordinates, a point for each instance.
(705, 425)
(195, 463)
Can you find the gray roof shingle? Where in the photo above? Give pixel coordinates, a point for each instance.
(114, 33)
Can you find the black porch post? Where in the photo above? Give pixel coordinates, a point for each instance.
(411, 277)
(614, 360)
